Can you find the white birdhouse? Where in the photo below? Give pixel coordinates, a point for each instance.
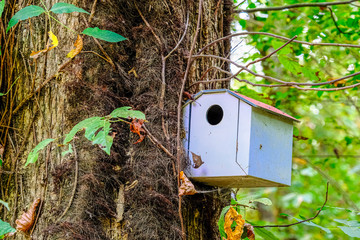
(235, 141)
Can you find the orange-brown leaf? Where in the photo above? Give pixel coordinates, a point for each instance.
(249, 231)
(230, 217)
(341, 83)
(136, 127)
(78, 47)
(186, 187)
(26, 220)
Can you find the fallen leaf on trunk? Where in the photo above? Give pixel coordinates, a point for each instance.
(136, 127)
(197, 160)
(26, 220)
(186, 187)
(230, 217)
(78, 47)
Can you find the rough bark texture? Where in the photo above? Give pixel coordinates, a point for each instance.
(131, 194)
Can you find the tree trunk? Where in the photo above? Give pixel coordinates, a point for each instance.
(131, 194)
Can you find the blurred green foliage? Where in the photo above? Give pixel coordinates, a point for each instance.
(327, 141)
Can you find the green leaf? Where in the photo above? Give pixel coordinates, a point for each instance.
(221, 221)
(66, 8)
(5, 228)
(1, 162)
(351, 231)
(105, 35)
(125, 112)
(2, 94)
(2, 6)
(5, 204)
(348, 223)
(289, 64)
(70, 150)
(25, 13)
(278, 44)
(34, 154)
(311, 224)
(94, 127)
(104, 140)
(265, 234)
(264, 201)
(80, 126)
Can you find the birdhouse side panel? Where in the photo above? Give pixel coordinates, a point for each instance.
(213, 135)
(186, 125)
(243, 139)
(270, 147)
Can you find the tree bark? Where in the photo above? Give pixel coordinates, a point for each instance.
(131, 194)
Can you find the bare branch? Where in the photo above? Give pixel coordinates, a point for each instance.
(278, 37)
(294, 84)
(306, 220)
(298, 5)
(182, 37)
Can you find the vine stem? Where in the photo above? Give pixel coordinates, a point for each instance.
(178, 141)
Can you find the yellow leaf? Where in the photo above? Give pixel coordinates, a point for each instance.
(78, 47)
(230, 217)
(53, 39)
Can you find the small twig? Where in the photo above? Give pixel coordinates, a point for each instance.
(93, 8)
(149, 26)
(306, 220)
(157, 142)
(75, 184)
(278, 37)
(298, 5)
(100, 47)
(38, 89)
(96, 55)
(182, 37)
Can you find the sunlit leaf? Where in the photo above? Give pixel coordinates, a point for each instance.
(264, 201)
(78, 47)
(351, 231)
(126, 112)
(265, 234)
(105, 35)
(62, 7)
(353, 223)
(34, 154)
(54, 40)
(25, 13)
(54, 43)
(311, 224)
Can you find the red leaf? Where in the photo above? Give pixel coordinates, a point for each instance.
(136, 127)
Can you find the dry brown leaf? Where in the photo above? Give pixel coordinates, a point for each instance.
(197, 160)
(186, 187)
(78, 47)
(249, 231)
(136, 127)
(230, 217)
(26, 220)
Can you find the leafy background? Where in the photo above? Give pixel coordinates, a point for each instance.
(328, 147)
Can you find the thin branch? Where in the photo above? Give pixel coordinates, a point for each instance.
(306, 220)
(294, 84)
(278, 37)
(179, 110)
(93, 8)
(182, 37)
(298, 5)
(157, 142)
(149, 26)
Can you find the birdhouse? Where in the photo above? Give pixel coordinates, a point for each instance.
(235, 141)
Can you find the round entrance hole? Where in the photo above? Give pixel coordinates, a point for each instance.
(214, 114)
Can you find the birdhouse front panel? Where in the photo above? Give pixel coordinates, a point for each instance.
(234, 141)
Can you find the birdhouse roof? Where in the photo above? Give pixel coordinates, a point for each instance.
(250, 101)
